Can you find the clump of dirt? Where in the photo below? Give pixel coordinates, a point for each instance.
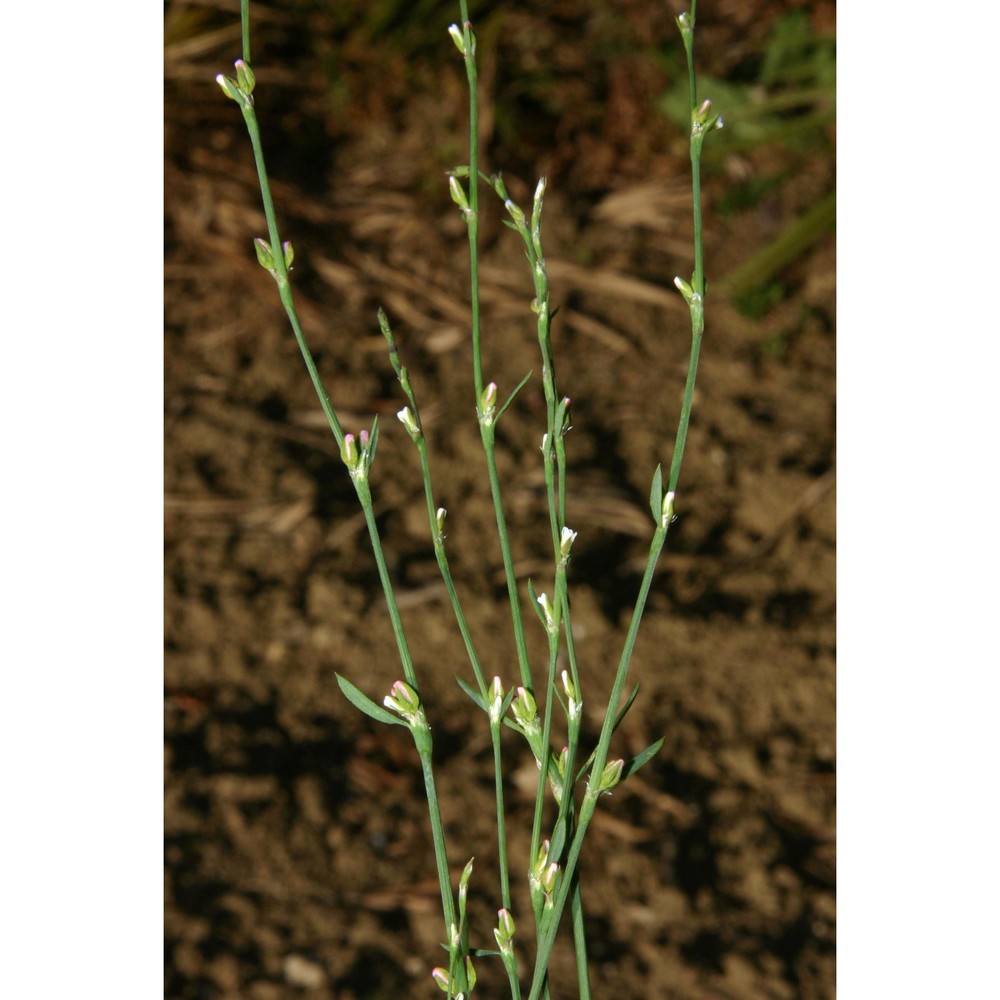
(298, 852)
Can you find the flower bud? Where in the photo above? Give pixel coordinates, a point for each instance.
(667, 514)
(496, 700)
(440, 976)
(550, 876)
(525, 708)
(230, 88)
(515, 213)
(463, 882)
(264, 255)
(611, 775)
(458, 195)
(547, 613)
(488, 403)
(457, 37)
(404, 701)
(440, 516)
(349, 452)
(566, 540)
(504, 931)
(409, 421)
(245, 77)
(574, 706)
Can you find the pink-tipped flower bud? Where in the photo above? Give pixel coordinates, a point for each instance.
(349, 452)
(404, 701)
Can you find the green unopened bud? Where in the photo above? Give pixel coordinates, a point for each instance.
(564, 416)
(515, 213)
(684, 288)
(288, 253)
(547, 613)
(667, 514)
(440, 516)
(496, 701)
(574, 706)
(409, 421)
(463, 883)
(550, 876)
(703, 119)
(611, 775)
(349, 452)
(524, 708)
(488, 403)
(457, 37)
(458, 195)
(230, 88)
(264, 255)
(566, 540)
(441, 977)
(245, 77)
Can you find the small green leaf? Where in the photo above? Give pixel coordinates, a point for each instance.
(656, 495)
(558, 841)
(510, 398)
(624, 711)
(643, 758)
(361, 701)
(373, 441)
(472, 693)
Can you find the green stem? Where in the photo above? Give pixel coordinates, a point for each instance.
(421, 736)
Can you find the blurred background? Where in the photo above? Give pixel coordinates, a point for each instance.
(297, 847)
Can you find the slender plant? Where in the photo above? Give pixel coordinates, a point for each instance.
(529, 706)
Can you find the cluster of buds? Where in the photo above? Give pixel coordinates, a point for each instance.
(441, 977)
(504, 932)
(544, 875)
(703, 119)
(357, 454)
(405, 702)
(267, 259)
(458, 37)
(240, 89)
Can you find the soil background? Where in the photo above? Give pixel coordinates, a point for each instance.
(298, 853)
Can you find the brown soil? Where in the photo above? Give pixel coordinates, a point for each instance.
(297, 846)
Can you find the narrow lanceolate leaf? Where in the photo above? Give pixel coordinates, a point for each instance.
(361, 701)
(643, 758)
(473, 694)
(624, 709)
(510, 398)
(618, 721)
(558, 841)
(656, 495)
